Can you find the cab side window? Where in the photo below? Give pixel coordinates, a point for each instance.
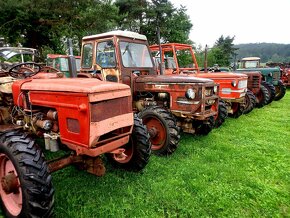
(87, 59)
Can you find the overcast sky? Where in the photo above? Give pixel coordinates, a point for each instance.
(250, 21)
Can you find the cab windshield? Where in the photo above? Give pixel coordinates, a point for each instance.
(135, 55)
(251, 64)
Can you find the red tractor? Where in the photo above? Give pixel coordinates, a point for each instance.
(180, 59)
(286, 76)
(85, 117)
(165, 103)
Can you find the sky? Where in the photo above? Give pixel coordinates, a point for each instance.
(250, 21)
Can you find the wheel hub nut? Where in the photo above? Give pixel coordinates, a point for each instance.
(152, 132)
(10, 183)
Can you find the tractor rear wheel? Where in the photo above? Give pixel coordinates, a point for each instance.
(137, 150)
(250, 102)
(238, 110)
(204, 127)
(271, 90)
(222, 114)
(26, 188)
(280, 91)
(262, 97)
(163, 130)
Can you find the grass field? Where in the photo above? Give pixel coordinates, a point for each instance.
(239, 170)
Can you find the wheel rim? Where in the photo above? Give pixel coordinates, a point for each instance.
(157, 132)
(10, 181)
(129, 150)
(235, 107)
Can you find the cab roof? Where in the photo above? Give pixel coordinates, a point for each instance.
(122, 33)
(251, 59)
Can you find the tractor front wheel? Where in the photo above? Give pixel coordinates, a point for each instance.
(238, 110)
(250, 102)
(204, 127)
(222, 114)
(280, 91)
(163, 130)
(137, 150)
(271, 90)
(262, 98)
(25, 183)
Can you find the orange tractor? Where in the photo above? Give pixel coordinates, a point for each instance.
(85, 117)
(180, 59)
(164, 103)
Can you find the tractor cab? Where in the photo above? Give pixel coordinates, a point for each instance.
(250, 62)
(106, 55)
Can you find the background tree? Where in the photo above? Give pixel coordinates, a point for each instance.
(47, 23)
(143, 16)
(221, 53)
(268, 52)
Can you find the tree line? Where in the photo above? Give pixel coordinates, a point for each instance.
(268, 52)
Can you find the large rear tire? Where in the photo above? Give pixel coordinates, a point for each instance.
(271, 90)
(26, 188)
(222, 114)
(163, 130)
(262, 97)
(250, 102)
(137, 150)
(280, 91)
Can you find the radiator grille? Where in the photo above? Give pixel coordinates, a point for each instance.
(110, 108)
(255, 82)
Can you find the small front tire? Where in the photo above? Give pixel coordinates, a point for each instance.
(263, 96)
(280, 91)
(222, 114)
(163, 129)
(250, 102)
(137, 150)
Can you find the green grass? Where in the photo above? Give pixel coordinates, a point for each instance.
(241, 169)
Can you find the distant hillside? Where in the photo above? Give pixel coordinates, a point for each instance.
(268, 52)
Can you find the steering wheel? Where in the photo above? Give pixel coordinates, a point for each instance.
(24, 70)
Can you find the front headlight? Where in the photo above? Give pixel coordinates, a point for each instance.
(243, 84)
(190, 94)
(234, 83)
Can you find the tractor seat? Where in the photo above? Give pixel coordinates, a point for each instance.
(6, 84)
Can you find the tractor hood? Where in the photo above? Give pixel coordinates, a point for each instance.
(171, 79)
(74, 85)
(263, 70)
(218, 75)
